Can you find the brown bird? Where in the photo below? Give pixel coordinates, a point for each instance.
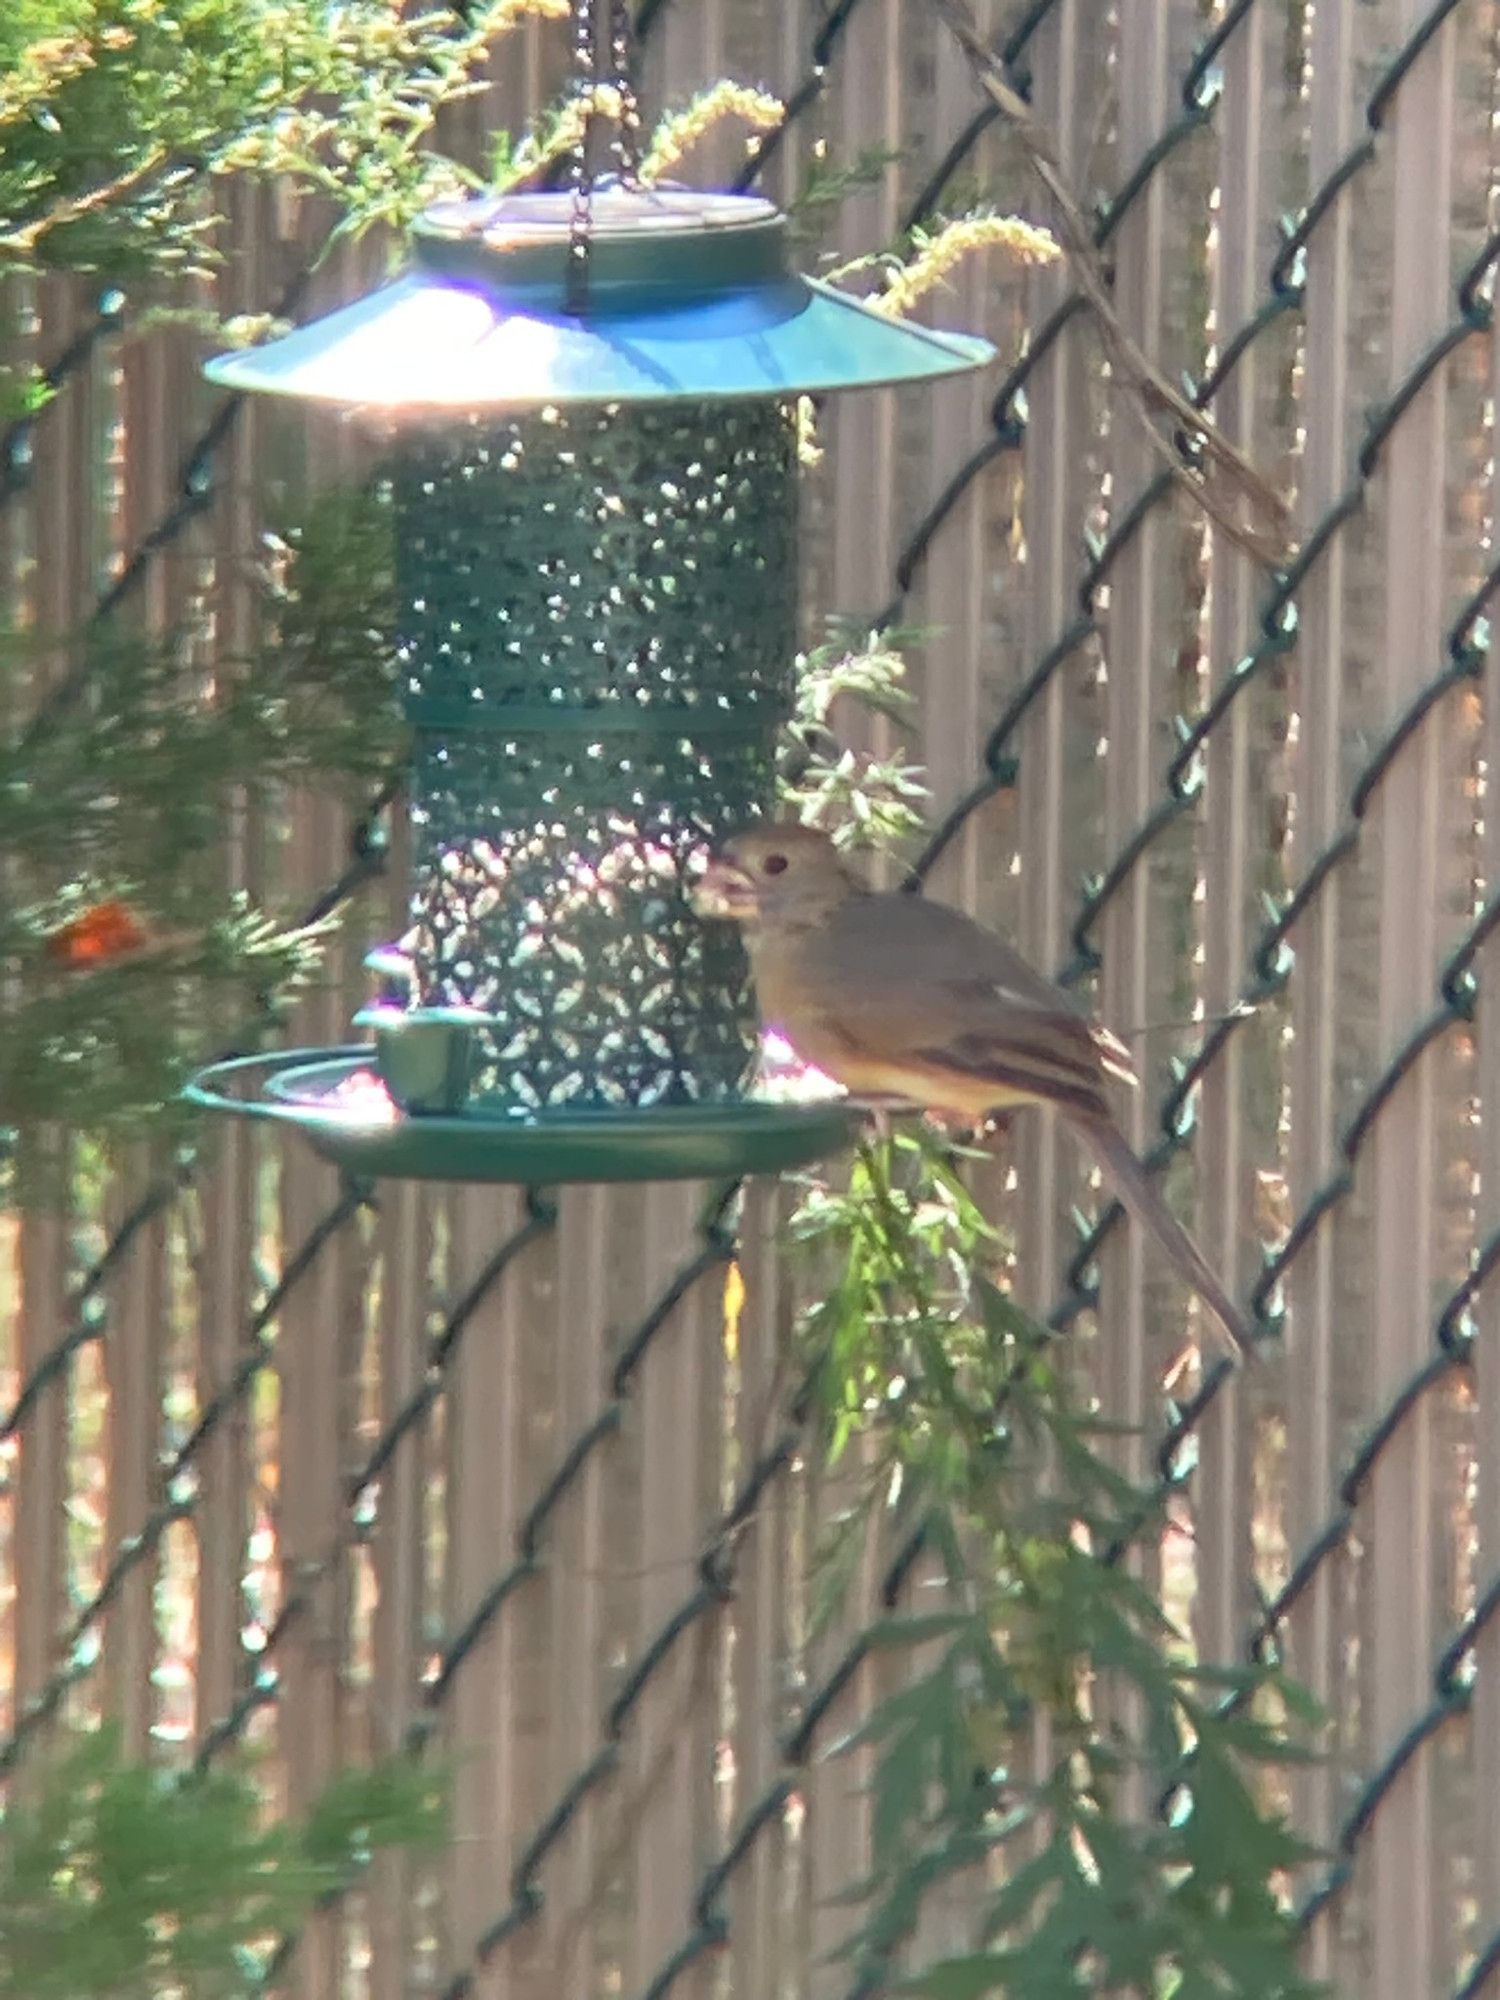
(893, 995)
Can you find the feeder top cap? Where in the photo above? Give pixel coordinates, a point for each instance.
(636, 295)
(614, 210)
(665, 243)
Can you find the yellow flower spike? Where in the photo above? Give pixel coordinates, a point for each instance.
(680, 131)
(937, 255)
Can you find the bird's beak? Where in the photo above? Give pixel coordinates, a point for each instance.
(724, 891)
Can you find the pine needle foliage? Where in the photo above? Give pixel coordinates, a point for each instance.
(115, 115)
(119, 1881)
(122, 793)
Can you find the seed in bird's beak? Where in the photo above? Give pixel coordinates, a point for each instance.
(723, 891)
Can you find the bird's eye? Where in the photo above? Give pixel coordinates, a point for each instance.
(774, 864)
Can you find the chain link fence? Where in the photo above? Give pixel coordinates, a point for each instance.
(484, 1469)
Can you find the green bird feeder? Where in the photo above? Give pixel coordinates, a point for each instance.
(595, 493)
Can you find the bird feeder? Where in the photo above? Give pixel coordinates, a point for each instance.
(595, 510)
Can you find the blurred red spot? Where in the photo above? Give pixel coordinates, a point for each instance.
(105, 932)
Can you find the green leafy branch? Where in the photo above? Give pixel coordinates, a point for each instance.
(864, 798)
(965, 1414)
(113, 113)
(119, 1881)
(123, 797)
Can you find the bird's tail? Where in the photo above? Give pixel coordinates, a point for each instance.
(1143, 1198)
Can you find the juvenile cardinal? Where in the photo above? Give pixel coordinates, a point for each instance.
(893, 995)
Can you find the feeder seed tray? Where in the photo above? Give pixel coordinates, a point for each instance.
(335, 1099)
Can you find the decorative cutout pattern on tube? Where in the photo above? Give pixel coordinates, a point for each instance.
(599, 649)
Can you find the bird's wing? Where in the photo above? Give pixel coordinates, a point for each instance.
(958, 1029)
(903, 974)
(874, 930)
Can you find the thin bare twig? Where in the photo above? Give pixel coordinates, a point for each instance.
(1225, 480)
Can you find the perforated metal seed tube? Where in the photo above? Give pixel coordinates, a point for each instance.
(599, 633)
(596, 555)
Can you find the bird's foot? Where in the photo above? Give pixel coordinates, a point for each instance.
(962, 1130)
(880, 1111)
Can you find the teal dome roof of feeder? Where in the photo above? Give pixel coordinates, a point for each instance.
(594, 479)
(690, 296)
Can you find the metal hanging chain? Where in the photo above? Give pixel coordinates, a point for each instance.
(627, 140)
(585, 80)
(599, 66)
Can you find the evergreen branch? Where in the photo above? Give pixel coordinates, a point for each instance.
(108, 126)
(121, 803)
(131, 181)
(120, 1881)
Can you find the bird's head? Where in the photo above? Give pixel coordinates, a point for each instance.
(774, 869)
